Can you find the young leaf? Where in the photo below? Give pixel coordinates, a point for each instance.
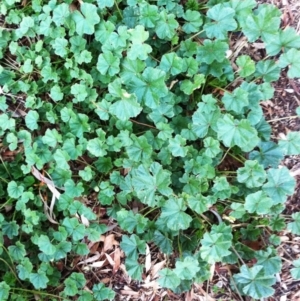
(172, 63)
(149, 15)
(138, 49)
(166, 26)
(17, 251)
(246, 65)
(14, 191)
(45, 245)
(108, 63)
(177, 146)
(31, 120)
(86, 18)
(194, 21)
(254, 281)
(269, 260)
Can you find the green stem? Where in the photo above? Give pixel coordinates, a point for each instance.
(118, 9)
(39, 293)
(12, 271)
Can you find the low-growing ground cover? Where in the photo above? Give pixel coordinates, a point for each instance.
(147, 118)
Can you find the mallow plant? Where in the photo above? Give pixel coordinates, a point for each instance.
(144, 102)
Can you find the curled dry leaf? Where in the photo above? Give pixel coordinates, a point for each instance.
(148, 259)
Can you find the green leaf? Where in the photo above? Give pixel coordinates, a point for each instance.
(172, 63)
(24, 269)
(212, 147)
(173, 213)
(132, 246)
(73, 283)
(237, 132)
(17, 251)
(31, 120)
(269, 154)
(236, 101)
(268, 70)
(97, 147)
(166, 26)
(291, 145)
(4, 291)
(86, 18)
(129, 221)
(246, 65)
(264, 23)
(280, 184)
(139, 49)
(149, 15)
(149, 88)
(223, 21)
(133, 268)
(60, 13)
(295, 272)
(14, 191)
(45, 245)
(126, 108)
(52, 137)
(168, 279)
(56, 94)
(108, 63)
(198, 203)
(216, 244)
(212, 51)
(74, 228)
(291, 59)
(284, 40)
(60, 47)
(10, 229)
(79, 91)
(254, 282)
(140, 150)
(294, 226)
(187, 269)
(101, 292)
(105, 3)
(39, 279)
(252, 174)
(164, 243)
(258, 202)
(194, 21)
(177, 146)
(269, 260)
(188, 86)
(148, 181)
